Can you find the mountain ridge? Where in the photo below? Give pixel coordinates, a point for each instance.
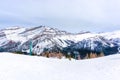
(42, 37)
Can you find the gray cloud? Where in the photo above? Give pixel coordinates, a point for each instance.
(81, 14)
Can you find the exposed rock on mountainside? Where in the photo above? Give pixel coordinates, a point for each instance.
(50, 39)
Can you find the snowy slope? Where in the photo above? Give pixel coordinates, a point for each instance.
(110, 35)
(13, 33)
(21, 67)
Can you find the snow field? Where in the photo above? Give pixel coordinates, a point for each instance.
(22, 67)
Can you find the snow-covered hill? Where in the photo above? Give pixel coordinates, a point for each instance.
(22, 67)
(42, 38)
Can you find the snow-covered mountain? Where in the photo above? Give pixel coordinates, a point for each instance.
(51, 39)
(17, 38)
(96, 44)
(112, 36)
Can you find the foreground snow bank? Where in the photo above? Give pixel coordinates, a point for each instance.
(22, 67)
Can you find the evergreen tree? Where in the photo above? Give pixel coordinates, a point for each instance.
(101, 54)
(87, 56)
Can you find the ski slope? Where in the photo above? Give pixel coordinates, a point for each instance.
(23, 67)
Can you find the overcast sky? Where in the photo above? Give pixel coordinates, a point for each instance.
(70, 15)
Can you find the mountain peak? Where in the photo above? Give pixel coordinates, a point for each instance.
(13, 28)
